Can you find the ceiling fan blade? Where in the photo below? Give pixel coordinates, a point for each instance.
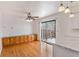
(28, 14)
(26, 18)
(35, 16)
(31, 17)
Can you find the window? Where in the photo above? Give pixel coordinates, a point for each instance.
(48, 30)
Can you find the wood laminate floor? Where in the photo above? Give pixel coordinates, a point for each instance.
(31, 49)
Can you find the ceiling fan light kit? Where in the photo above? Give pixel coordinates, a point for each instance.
(31, 18)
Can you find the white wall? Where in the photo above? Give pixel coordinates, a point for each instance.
(12, 26)
(68, 30)
(66, 33)
(12, 20)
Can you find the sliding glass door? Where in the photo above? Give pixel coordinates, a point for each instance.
(48, 30)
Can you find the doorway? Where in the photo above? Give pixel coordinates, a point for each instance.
(48, 31)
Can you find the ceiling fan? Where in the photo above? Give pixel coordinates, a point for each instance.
(30, 17)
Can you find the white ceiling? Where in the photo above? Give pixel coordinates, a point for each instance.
(37, 8)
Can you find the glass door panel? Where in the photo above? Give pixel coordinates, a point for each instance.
(48, 30)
